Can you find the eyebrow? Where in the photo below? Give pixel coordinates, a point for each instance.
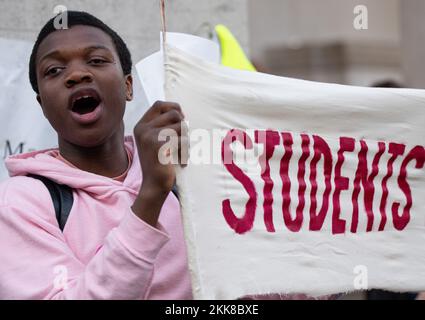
(57, 53)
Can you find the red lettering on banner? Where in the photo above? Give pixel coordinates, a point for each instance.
(341, 183)
(320, 148)
(245, 223)
(396, 150)
(295, 224)
(400, 221)
(284, 175)
(271, 141)
(364, 178)
(367, 182)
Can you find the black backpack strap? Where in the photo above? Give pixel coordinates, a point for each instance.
(61, 196)
(175, 191)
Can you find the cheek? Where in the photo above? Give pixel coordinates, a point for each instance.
(116, 95)
(53, 105)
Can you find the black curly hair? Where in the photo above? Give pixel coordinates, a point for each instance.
(80, 18)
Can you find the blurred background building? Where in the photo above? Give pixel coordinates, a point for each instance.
(306, 39)
(137, 21)
(317, 40)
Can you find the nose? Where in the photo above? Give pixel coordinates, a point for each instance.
(78, 74)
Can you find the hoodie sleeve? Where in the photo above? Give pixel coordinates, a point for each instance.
(36, 262)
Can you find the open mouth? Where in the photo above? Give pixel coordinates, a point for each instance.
(85, 104)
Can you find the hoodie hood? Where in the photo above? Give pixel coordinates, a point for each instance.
(43, 163)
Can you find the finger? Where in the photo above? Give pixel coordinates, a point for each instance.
(170, 117)
(160, 107)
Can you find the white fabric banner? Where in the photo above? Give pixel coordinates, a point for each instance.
(296, 186)
(151, 68)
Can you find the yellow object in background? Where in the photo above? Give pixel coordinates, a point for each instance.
(232, 54)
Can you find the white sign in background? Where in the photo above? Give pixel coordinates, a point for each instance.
(22, 124)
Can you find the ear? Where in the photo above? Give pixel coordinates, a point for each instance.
(41, 104)
(129, 87)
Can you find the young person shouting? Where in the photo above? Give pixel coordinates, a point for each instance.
(123, 238)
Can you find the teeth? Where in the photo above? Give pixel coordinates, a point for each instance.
(83, 97)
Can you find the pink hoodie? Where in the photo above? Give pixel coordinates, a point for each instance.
(105, 251)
